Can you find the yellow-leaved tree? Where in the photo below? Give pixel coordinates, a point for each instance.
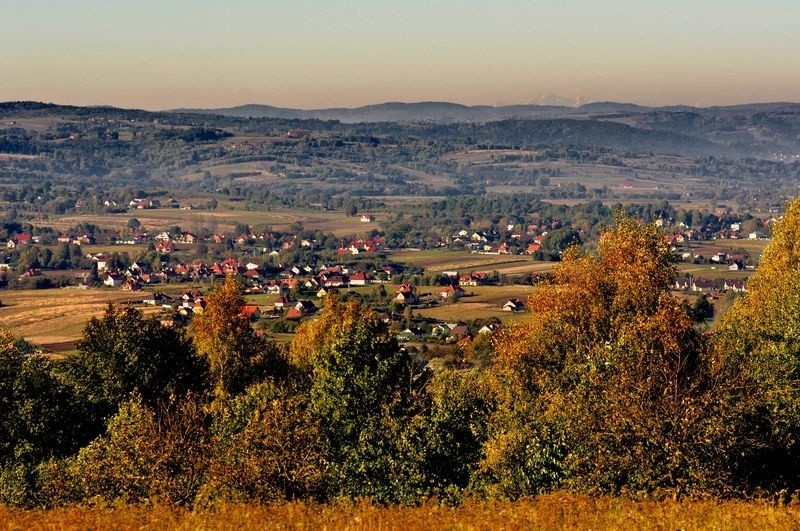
(756, 369)
(237, 356)
(599, 388)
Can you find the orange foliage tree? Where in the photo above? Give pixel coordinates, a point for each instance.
(600, 387)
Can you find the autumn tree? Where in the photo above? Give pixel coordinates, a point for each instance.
(147, 453)
(267, 447)
(236, 355)
(756, 369)
(601, 386)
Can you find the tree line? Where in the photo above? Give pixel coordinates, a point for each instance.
(606, 387)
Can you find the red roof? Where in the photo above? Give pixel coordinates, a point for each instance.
(248, 311)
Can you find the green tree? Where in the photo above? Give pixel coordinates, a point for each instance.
(41, 418)
(362, 387)
(123, 353)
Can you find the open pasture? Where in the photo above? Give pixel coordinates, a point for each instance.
(480, 302)
(438, 260)
(55, 318)
(550, 511)
(221, 220)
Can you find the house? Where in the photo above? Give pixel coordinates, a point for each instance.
(406, 298)
(406, 335)
(513, 305)
(359, 279)
(736, 286)
(19, 239)
(251, 312)
(252, 274)
(460, 331)
(533, 248)
(464, 342)
(451, 293)
(736, 266)
(157, 299)
(440, 330)
(165, 247)
(306, 307)
(131, 285)
(489, 329)
(281, 303)
(187, 237)
(294, 314)
(467, 280)
(189, 298)
(367, 218)
(114, 280)
(323, 292)
(333, 281)
(273, 288)
(701, 285)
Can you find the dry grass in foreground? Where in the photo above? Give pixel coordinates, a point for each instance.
(555, 511)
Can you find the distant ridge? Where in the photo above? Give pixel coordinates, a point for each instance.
(426, 111)
(448, 112)
(764, 130)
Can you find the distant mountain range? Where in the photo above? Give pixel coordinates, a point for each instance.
(446, 112)
(766, 130)
(763, 130)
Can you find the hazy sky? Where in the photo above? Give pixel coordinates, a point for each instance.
(322, 53)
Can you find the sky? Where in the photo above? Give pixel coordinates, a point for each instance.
(164, 54)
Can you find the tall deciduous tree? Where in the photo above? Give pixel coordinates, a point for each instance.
(601, 386)
(236, 356)
(756, 368)
(361, 390)
(123, 353)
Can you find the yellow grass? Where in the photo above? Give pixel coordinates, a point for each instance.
(54, 318)
(220, 220)
(554, 511)
(438, 260)
(481, 302)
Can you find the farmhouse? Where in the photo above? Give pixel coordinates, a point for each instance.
(451, 293)
(513, 305)
(114, 280)
(251, 312)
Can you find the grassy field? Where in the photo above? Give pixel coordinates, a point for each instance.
(438, 260)
(481, 302)
(54, 318)
(221, 220)
(553, 511)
